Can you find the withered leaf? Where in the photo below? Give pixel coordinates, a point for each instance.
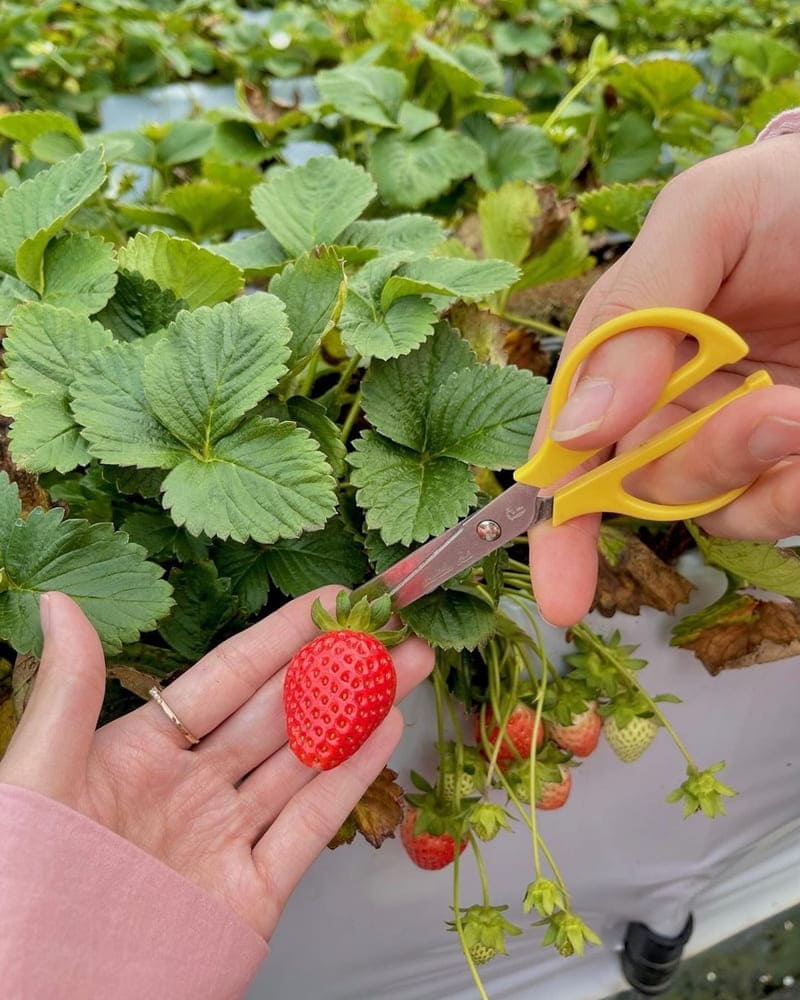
(25, 667)
(132, 680)
(8, 717)
(632, 576)
(740, 630)
(483, 331)
(524, 350)
(377, 815)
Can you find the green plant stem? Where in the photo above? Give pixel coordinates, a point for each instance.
(460, 927)
(310, 374)
(570, 96)
(438, 686)
(534, 324)
(481, 869)
(352, 415)
(345, 376)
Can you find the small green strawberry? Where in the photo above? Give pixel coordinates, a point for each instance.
(484, 928)
(460, 780)
(630, 741)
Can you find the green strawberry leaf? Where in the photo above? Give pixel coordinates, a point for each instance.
(755, 55)
(408, 497)
(510, 39)
(371, 94)
(191, 272)
(257, 254)
(451, 619)
(659, 83)
(185, 141)
(12, 398)
(508, 219)
(397, 393)
(306, 206)
(44, 348)
(209, 207)
(410, 172)
(25, 127)
(120, 592)
(32, 214)
(204, 604)
(80, 273)
(620, 207)
(455, 75)
(246, 568)
(513, 153)
(266, 480)
(313, 290)
(632, 152)
(214, 365)
(317, 558)
(109, 401)
(369, 330)
(45, 345)
(485, 415)
(312, 415)
(566, 257)
(44, 436)
(481, 62)
(470, 280)
(155, 531)
(759, 564)
(401, 235)
(138, 307)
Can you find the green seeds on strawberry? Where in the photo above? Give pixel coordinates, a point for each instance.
(630, 742)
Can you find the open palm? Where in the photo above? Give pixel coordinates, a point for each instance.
(237, 815)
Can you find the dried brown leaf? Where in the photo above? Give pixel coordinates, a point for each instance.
(377, 815)
(752, 631)
(631, 576)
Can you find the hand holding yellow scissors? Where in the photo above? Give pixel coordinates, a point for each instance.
(599, 491)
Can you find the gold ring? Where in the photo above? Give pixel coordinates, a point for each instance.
(155, 694)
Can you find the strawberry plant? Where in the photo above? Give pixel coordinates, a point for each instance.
(280, 344)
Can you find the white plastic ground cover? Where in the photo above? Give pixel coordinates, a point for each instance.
(367, 925)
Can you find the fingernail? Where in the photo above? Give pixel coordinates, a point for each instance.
(773, 438)
(44, 613)
(584, 410)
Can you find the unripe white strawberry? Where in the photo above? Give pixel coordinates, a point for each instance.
(630, 742)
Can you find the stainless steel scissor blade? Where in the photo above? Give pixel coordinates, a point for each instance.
(463, 545)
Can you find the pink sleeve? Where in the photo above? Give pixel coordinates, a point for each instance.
(86, 914)
(783, 124)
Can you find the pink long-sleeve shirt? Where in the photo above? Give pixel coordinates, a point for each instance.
(86, 915)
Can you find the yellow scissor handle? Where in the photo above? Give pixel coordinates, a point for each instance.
(717, 344)
(601, 489)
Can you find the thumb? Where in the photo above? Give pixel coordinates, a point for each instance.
(50, 748)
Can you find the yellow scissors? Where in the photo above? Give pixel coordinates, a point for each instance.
(521, 506)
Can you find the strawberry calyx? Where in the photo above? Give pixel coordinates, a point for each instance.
(483, 930)
(360, 615)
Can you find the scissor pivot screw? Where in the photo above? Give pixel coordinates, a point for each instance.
(489, 531)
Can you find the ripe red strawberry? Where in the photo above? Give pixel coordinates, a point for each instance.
(518, 733)
(582, 735)
(338, 688)
(555, 793)
(430, 851)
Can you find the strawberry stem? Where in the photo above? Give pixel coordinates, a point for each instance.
(460, 928)
(481, 869)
